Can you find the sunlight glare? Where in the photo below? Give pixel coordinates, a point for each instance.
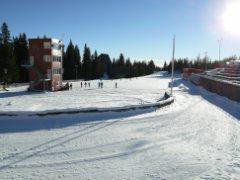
(231, 17)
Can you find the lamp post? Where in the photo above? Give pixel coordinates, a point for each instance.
(219, 48)
(173, 65)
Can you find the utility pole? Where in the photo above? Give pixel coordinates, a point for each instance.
(219, 48)
(173, 64)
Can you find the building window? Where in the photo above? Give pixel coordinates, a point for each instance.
(31, 58)
(49, 73)
(47, 45)
(47, 58)
(57, 58)
(57, 71)
(56, 46)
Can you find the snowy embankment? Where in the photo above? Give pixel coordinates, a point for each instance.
(196, 137)
(132, 93)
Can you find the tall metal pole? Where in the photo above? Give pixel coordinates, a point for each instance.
(219, 48)
(173, 64)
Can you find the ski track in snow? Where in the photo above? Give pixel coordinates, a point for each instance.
(193, 138)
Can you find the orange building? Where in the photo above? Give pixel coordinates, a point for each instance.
(45, 68)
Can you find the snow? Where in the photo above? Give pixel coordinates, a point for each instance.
(196, 137)
(135, 91)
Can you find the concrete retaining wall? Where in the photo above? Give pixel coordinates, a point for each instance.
(223, 88)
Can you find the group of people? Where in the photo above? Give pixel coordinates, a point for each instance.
(69, 86)
(88, 84)
(85, 84)
(100, 84)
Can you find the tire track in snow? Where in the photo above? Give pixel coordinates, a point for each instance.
(76, 161)
(38, 150)
(133, 151)
(19, 157)
(8, 157)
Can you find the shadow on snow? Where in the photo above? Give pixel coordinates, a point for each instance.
(229, 106)
(14, 124)
(9, 94)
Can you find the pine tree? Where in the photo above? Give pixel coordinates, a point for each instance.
(104, 65)
(7, 59)
(128, 63)
(94, 65)
(22, 56)
(77, 61)
(121, 60)
(150, 67)
(5, 34)
(165, 66)
(87, 63)
(69, 62)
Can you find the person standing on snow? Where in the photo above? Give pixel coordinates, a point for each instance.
(81, 84)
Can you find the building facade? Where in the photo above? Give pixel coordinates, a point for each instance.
(45, 69)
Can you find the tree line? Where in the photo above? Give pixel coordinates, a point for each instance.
(198, 63)
(94, 66)
(14, 53)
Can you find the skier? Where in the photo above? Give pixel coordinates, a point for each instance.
(67, 86)
(89, 84)
(85, 84)
(116, 84)
(71, 86)
(81, 84)
(101, 84)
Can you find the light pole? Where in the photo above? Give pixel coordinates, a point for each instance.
(219, 48)
(173, 65)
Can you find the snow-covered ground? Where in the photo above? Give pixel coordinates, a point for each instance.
(197, 137)
(135, 91)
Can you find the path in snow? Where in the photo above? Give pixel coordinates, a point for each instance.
(195, 137)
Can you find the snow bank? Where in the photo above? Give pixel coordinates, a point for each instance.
(86, 110)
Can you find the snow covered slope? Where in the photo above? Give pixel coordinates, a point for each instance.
(197, 137)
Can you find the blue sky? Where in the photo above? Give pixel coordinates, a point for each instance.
(141, 29)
